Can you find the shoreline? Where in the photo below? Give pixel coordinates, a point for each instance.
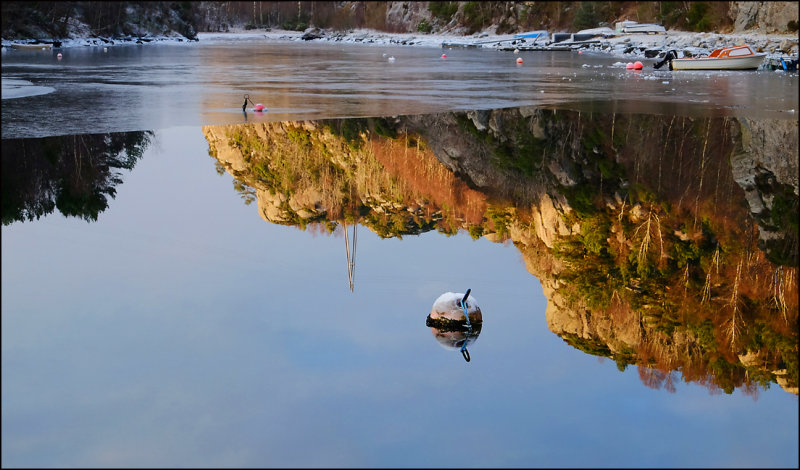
(636, 46)
(623, 46)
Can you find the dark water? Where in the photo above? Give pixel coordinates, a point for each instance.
(180, 296)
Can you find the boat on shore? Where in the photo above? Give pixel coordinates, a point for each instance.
(740, 57)
(32, 46)
(535, 35)
(629, 26)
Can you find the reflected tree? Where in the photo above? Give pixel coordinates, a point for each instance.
(75, 174)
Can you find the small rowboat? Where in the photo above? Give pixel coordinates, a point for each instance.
(32, 46)
(739, 57)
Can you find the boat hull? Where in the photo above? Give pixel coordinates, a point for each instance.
(712, 63)
(645, 28)
(32, 46)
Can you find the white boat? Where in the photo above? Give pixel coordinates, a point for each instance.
(535, 35)
(32, 46)
(605, 32)
(739, 57)
(629, 26)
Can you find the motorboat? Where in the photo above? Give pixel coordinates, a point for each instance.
(740, 57)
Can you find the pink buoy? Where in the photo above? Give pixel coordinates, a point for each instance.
(638, 65)
(444, 56)
(59, 56)
(259, 107)
(629, 65)
(580, 52)
(519, 60)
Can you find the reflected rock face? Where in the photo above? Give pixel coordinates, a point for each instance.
(665, 242)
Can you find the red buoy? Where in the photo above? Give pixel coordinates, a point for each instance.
(259, 107)
(638, 65)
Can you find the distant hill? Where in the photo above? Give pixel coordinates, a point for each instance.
(56, 19)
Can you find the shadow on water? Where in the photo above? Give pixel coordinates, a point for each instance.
(74, 174)
(665, 242)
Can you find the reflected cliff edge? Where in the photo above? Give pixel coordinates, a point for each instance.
(665, 242)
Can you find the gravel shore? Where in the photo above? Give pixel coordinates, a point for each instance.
(623, 46)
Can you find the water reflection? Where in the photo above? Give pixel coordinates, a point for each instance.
(74, 174)
(665, 242)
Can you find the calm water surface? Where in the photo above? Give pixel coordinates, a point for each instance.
(179, 328)
(132, 88)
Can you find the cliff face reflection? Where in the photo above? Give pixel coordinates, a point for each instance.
(74, 174)
(664, 242)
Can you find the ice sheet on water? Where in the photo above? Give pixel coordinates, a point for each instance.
(14, 88)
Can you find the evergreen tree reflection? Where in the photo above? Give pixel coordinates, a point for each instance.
(74, 174)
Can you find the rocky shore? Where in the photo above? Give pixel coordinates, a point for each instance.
(623, 46)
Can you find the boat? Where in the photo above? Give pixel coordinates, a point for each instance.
(629, 26)
(561, 37)
(535, 35)
(605, 32)
(740, 57)
(32, 46)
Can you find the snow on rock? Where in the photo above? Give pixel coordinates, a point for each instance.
(447, 307)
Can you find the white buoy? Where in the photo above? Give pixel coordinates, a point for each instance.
(391, 59)
(105, 49)
(516, 51)
(453, 324)
(448, 307)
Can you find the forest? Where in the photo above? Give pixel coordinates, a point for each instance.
(57, 19)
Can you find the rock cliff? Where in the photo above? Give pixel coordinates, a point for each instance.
(765, 17)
